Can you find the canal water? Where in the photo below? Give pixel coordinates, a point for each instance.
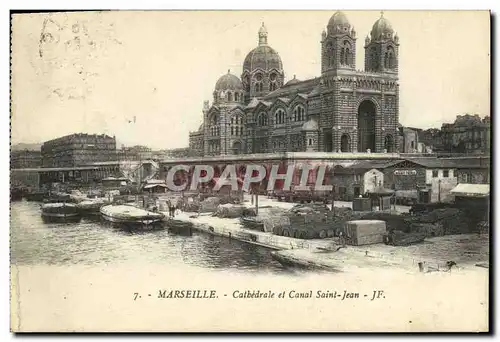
(92, 243)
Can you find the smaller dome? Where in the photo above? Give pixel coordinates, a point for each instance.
(338, 18)
(229, 82)
(310, 125)
(382, 28)
(294, 80)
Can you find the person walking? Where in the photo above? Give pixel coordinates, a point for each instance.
(169, 205)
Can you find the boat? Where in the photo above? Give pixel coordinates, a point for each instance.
(130, 216)
(60, 212)
(91, 207)
(37, 196)
(16, 194)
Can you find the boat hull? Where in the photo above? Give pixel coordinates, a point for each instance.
(61, 218)
(35, 197)
(143, 224)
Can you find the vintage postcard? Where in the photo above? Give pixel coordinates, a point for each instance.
(250, 171)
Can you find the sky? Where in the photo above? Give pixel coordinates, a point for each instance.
(143, 76)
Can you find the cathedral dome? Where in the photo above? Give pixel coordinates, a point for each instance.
(263, 56)
(382, 29)
(229, 82)
(338, 18)
(338, 23)
(310, 125)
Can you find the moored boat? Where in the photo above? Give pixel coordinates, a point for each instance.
(35, 196)
(16, 194)
(91, 206)
(130, 216)
(60, 212)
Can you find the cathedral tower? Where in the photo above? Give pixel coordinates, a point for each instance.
(382, 48)
(338, 44)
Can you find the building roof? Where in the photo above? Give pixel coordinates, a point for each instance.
(54, 169)
(297, 87)
(471, 190)
(310, 125)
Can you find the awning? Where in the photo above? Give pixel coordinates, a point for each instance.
(471, 190)
(381, 191)
(149, 186)
(155, 181)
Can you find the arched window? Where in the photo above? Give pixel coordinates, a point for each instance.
(373, 57)
(279, 117)
(273, 82)
(262, 121)
(236, 125)
(258, 82)
(236, 97)
(247, 83)
(310, 142)
(329, 51)
(213, 123)
(299, 114)
(229, 96)
(390, 58)
(346, 53)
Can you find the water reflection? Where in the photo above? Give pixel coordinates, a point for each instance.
(91, 243)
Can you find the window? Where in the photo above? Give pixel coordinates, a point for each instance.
(310, 142)
(229, 96)
(446, 173)
(236, 97)
(236, 125)
(345, 53)
(434, 173)
(299, 113)
(279, 117)
(390, 58)
(258, 83)
(273, 84)
(262, 120)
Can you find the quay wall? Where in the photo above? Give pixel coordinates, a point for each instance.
(231, 228)
(304, 252)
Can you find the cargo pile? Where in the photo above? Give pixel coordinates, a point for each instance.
(364, 232)
(439, 222)
(229, 211)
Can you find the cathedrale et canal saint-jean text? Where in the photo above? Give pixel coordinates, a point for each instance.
(269, 294)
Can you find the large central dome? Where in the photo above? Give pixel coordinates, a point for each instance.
(263, 56)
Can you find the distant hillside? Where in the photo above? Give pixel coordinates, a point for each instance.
(23, 146)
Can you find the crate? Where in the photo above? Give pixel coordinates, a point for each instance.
(364, 232)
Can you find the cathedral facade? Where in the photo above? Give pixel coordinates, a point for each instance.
(342, 110)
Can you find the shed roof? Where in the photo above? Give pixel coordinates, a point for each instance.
(471, 190)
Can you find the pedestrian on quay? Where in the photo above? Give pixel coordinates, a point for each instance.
(169, 205)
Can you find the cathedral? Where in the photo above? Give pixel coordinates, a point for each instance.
(342, 110)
